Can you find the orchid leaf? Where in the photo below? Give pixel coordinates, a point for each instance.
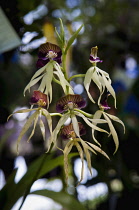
(73, 37)
(67, 201)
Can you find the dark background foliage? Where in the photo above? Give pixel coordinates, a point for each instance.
(112, 26)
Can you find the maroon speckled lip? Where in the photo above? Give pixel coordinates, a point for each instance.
(43, 55)
(67, 131)
(76, 100)
(39, 98)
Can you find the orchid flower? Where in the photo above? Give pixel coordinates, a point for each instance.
(83, 147)
(49, 59)
(99, 77)
(70, 106)
(39, 99)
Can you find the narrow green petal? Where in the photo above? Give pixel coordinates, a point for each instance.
(116, 119)
(31, 83)
(26, 127)
(82, 160)
(98, 149)
(87, 81)
(21, 111)
(66, 151)
(75, 125)
(113, 132)
(87, 154)
(42, 127)
(49, 119)
(33, 130)
(89, 123)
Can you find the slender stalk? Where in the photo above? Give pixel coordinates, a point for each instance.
(55, 114)
(84, 113)
(77, 75)
(57, 81)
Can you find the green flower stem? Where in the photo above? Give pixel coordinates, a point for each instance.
(84, 113)
(77, 75)
(55, 114)
(64, 65)
(57, 81)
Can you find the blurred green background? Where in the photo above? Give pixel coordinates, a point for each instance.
(113, 26)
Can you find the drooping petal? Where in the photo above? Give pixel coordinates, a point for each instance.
(113, 132)
(66, 151)
(64, 83)
(87, 120)
(21, 111)
(87, 82)
(33, 130)
(87, 154)
(98, 149)
(69, 102)
(82, 160)
(26, 127)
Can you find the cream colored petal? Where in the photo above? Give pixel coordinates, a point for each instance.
(42, 127)
(113, 131)
(21, 111)
(49, 119)
(75, 124)
(26, 127)
(58, 127)
(98, 149)
(116, 119)
(63, 81)
(31, 83)
(97, 115)
(66, 151)
(107, 82)
(89, 123)
(33, 130)
(87, 81)
(82, 160)
(87, 154)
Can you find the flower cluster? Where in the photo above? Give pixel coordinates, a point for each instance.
(51, 67)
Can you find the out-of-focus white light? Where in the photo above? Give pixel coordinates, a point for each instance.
(92, 192)
(37, 202)
(28, 36)
(22, 168)
(78, 89)
(54, 185)
(77, 170)
(76, 13)
(35, 14)
(2, 179)
(130, 63)
(33, 45)
(20, 116)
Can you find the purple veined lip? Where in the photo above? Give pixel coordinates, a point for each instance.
(47, 52)
(93, 56)
(70, 101)
(67, 131)
(104, 103)
(39, 98)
